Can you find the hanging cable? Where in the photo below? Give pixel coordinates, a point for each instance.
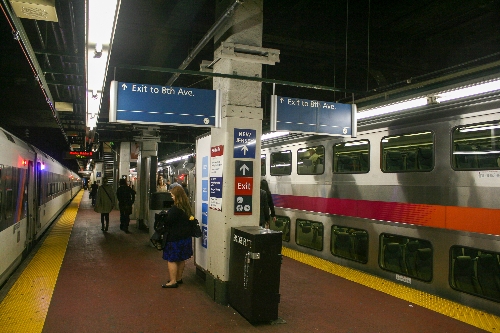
(368, 52)
(346, 29)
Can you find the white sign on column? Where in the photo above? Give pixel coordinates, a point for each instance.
(216, 166)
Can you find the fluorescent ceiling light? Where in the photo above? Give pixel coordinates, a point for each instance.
(468, 91)
(175, 159)
(272, 135)
(101, 22)
(476, 152)
(481, 128)
(409, 104)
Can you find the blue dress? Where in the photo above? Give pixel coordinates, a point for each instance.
(179, 244)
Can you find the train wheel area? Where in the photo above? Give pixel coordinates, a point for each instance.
(86, 280)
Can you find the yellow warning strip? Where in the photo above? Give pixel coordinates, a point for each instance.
(25, 307)
(480, 319)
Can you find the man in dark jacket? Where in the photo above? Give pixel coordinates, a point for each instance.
(93, 192)
(126, 198)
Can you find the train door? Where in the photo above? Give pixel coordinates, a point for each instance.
(37, 193)
(32, 207)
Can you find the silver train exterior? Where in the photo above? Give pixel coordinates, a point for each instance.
(34, 189)
(447, 203)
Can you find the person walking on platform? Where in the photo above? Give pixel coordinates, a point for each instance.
(179, 245)
(126, 198)
(93, 192)
(105, 202)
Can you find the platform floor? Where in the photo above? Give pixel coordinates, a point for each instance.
(85, 280)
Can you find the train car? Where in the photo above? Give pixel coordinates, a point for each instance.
(414, 198)
(34, 189)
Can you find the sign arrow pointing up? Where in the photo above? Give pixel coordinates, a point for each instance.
(124, 86)
(244, 168)
(245, 149)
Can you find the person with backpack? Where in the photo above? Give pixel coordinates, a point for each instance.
(105, 202)
(178, 241)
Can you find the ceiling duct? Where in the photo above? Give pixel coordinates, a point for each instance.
(44, 10)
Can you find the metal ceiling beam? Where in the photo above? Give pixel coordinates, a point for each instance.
(25, 44)
(238, 77)
(210, 33)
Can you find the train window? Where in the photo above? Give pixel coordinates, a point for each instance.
(311, 160)
(407, 256)
(349, 243)
(9, 203)
(476, 147)
(263, 165)
(413, 152)
(475, 271)
(309, 234)
(351, 157)
(282, 224)
(281, 163)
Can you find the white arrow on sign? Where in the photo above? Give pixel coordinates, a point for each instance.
(124, 86)
(245, 149)
(244, 168)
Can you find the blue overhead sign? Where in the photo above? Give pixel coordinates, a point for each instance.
(244, 143)
(152, 104)
(310, 116)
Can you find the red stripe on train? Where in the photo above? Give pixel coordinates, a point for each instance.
(481, 220)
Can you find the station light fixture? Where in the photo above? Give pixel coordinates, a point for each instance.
(101, 21)
(437, 97)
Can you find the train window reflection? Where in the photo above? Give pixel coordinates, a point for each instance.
(281, 163)
(475, 271)
(411, 152)
(351, 157)
(406, 256)
(349, 243)
(476, 147)
(309, 234)
(9, 203)
(311, 160)
(263, 165)
(282, 224)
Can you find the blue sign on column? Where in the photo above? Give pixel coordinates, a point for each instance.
(245, 141)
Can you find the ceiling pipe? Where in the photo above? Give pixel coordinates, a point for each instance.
(209, 35)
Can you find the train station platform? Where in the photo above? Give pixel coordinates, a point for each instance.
(82, 279)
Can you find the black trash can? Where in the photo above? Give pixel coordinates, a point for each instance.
(254, 273)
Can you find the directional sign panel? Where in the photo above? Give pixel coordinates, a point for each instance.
(244, 143)
(243, 205)
(153, 104)
(243, 185)
(311, 116)
(243, 168)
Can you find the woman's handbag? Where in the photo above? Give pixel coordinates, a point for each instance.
(158, 240)
(195, 226)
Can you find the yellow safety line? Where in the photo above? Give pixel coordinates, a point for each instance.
(25, 307)
(480, 319)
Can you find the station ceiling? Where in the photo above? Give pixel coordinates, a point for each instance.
(361, 48)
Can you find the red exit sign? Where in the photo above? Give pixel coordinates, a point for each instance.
(79, 154)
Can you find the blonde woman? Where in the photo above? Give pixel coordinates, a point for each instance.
(179, 245)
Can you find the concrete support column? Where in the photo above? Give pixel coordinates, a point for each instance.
(147, 162)
(124, 160)
(239, 52)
